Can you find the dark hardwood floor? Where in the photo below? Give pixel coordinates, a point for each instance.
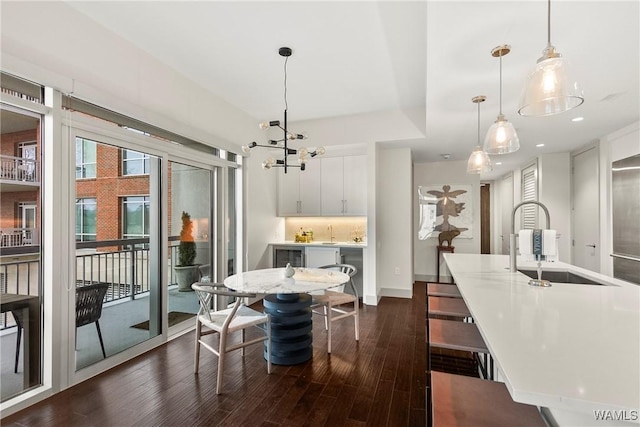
(379, 381)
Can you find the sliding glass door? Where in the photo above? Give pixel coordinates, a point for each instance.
(191, 234)
(118, 282)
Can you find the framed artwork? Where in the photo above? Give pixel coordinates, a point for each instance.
(453, 208)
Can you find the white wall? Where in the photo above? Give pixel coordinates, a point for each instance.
(47, 42)
(425, 252)
(394, 218)
(554, 191)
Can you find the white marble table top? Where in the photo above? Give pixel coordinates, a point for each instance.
(570, 347)
(272, 281)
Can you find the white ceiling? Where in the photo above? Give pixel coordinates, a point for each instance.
(358, 57)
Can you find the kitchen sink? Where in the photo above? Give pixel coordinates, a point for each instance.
(561, 277)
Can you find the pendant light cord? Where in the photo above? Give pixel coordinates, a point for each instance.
(549, 23)
(500, 83)
(478, 124)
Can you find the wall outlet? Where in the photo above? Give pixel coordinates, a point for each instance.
(397, 271)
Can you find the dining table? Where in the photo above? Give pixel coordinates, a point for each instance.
(288, 302)
(26, 311)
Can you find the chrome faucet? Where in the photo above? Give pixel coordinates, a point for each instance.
(330, 228)
(512, 241)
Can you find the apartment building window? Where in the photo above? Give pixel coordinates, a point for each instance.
(134, 163)
(135, 211)
(85, 219)
(85, 158)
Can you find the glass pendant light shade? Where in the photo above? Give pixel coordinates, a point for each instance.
(549, 90)
(501, 137)
(479, 161)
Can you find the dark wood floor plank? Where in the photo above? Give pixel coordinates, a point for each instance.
(379, 380)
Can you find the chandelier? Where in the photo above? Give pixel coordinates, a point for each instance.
(288, 137)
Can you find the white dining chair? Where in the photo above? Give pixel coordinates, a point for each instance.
(332, 301)
(224, 322)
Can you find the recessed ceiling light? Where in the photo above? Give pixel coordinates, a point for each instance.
(498, 163)
(539, 145)
(577, 119)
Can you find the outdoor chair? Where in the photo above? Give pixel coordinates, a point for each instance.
(332, 299)
(224, 322)
(89, 301)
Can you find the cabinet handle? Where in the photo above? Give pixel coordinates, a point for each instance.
(299, 206)
(345, 207)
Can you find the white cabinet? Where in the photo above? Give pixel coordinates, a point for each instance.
(299, 191)
(319, 256)
(355, 185)
(330, 186)
(344, 185)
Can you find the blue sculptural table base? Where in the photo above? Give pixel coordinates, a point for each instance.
(291, 336)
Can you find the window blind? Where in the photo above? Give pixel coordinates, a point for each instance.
(530, 192)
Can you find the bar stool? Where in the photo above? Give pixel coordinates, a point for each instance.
(459, 401)
(443, 290)
(445, 306)
(455, 335)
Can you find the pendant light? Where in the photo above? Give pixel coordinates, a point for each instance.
(502, 137)
(479, 161)
(549, 90)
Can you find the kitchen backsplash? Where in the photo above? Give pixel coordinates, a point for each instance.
(345, 229)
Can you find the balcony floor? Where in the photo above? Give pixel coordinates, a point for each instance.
(117, 334)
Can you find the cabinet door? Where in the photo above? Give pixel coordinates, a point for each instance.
(355, 185)
(332, 181)
(288, 191)
(318, 256)
(310, 188)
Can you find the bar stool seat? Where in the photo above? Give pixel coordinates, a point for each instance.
(455, 335)
(443, 306)
(460, 401)
(443, 290)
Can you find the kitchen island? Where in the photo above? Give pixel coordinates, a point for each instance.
(570, 349)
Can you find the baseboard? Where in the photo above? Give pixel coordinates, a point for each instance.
(396, 293)
(431, 278)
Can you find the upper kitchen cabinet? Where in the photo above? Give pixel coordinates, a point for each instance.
(299, 191)
(344, 185)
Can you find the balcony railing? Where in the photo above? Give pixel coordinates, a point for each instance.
(18, 169)
(16, 237)
(124, 264)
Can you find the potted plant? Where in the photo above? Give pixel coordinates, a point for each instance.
(186, 268)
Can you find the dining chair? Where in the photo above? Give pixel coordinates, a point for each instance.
(239, 317)
(331, 301)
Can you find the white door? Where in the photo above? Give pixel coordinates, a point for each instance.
(506, 209)
(585, 211)
(310, 189)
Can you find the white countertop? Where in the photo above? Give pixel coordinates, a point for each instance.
(323, 244)
(571, 347)
(272, 280)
